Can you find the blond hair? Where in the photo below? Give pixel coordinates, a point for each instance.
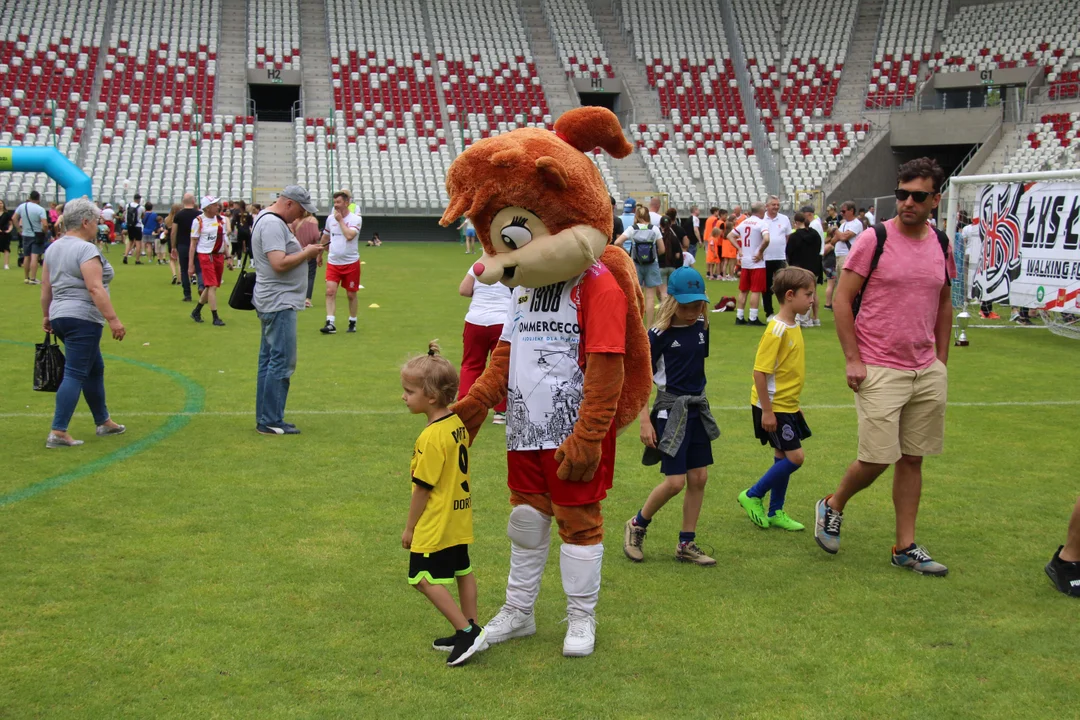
(437, 377)
(666, 312)
(641, 215)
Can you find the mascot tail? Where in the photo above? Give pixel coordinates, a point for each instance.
(637, 366)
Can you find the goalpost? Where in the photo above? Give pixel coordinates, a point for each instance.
(1059, 316)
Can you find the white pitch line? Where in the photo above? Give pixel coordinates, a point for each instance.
(714, 408)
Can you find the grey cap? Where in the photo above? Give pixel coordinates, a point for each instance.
(298, 195)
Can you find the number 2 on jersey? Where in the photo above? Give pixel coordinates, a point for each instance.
(746, 237)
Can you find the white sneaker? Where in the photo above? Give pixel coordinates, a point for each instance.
(510, 623)
(499, 419)
(580, 636)
(817, 323)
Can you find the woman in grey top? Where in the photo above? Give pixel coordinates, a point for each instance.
(76, 305)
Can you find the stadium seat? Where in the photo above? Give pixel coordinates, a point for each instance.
(273, 34)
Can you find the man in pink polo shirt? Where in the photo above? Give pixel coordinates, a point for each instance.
(896, 350)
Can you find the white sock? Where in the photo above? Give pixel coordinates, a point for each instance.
(330, 319)
(352, 319)
(739, 314)
(753, 314)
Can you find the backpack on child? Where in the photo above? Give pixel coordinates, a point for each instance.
(643, 245)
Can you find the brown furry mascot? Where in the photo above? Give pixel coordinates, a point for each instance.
(573, 359)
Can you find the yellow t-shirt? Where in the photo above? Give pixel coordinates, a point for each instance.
(781, 355)
(441, 460)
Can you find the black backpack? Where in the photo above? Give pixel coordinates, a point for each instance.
(882, 234)
(132, 216)
(643, 251)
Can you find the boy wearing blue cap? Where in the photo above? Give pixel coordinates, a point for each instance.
(679, 431)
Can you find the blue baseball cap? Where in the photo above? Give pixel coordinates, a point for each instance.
(628, 206)
(686, 285)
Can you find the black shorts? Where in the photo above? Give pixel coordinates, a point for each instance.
(5, 242)
(791, 430)
(694, 452)
(441, 567)
(135, 234)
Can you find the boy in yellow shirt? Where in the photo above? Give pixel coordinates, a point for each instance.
(779, 374)
(440, 529)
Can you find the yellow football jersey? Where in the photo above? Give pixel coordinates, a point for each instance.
(781, 355)
(441, 461)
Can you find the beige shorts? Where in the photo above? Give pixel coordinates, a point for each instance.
(840, 260)
(901, 412)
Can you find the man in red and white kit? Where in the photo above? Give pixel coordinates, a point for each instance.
(210, 249)
(343, 262)
(488, 310)
(752, 237)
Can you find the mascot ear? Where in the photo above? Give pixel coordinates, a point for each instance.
(588, 128)
(552, 172)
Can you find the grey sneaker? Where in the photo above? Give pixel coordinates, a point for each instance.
(633, 537)
(827, 526)
(55, 441)
(690, 552)
(916, 558)
(103, 430)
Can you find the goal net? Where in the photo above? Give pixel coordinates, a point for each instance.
(1026, 253)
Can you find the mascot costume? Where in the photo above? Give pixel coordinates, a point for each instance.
(573, 360)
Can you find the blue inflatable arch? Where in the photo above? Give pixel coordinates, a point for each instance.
(50, 161)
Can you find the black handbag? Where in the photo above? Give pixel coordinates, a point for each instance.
(243, 292)
(48, 365)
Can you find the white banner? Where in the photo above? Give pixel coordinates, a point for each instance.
(1030, 254)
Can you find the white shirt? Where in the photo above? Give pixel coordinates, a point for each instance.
(342, 251)
(779, 229)
(972, 242)
(750, 240)
(654, 218)
(816, 226)
(204, 232)
(138, 213)
(870, 218)
(490, 304)
(687, 259)
(108, 214)
(843, 247)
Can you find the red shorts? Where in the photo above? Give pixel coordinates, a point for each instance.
(348, 276)
(535, 471)
(752, 280)
(212, 268)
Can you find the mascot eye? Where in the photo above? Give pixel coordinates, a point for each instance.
(516, 235)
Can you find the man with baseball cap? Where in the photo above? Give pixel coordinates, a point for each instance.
(210, 249)
(280, 290)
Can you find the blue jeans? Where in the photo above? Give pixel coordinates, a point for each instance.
(277, 361)
(84, 371)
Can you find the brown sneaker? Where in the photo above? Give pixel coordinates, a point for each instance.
(690, 552)
(633, 537)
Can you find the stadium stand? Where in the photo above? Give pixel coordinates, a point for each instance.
(816, 39)
(386, 136)
(698, 92)
(903, 47)
(577, 41)
(486, 69)
(155, 131)
(273, 34)
(987, 37)
(1052, 143)
(48, 56)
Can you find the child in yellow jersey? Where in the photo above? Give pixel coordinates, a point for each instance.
(779, 374)
(439, 529)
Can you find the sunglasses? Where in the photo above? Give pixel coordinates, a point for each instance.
(919, 195)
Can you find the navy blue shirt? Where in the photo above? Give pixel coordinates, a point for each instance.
(678, 358)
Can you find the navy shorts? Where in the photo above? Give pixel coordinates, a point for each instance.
(441, 567)
(791, 430)
(694, 452)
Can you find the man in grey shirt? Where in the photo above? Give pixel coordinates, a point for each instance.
(280, 289)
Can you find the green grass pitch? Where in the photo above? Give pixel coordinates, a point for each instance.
(192, 568)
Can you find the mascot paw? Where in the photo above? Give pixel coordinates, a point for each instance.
(577, 459)
(472, 413)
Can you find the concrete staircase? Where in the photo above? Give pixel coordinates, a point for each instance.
(629, 70)
(232, 87)
(850, 102)
(95, 89)
(315, 97)
(439, 94)
(275, 158)
(556, 86)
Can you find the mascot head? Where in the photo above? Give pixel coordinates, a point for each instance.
(538, 203)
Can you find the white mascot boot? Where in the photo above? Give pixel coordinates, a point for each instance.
(530, 539)
(580, 566)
